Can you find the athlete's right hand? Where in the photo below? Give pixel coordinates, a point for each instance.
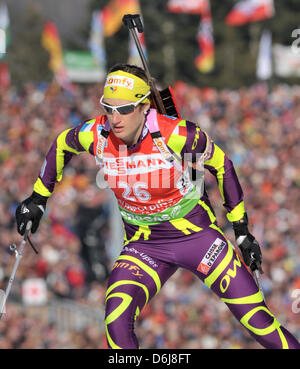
(31, 209)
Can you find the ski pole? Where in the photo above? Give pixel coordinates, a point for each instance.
(18, 254)
(256, 272)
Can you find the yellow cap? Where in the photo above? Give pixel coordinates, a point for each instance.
(125, 86)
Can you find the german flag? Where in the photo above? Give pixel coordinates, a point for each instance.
(51, 42)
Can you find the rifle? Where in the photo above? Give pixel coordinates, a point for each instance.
(162, 100)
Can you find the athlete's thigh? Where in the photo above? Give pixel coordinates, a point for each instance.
(211, 256)
(135, 278)
(134, 267)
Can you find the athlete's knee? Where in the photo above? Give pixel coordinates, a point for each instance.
(124, 301)
(266, 329)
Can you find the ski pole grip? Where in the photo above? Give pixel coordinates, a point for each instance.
(28, 225)
(256, 263)
(27, 230)
(133, 21)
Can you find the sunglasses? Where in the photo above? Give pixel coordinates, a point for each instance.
(122, 109)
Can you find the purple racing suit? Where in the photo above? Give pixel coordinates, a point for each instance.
(185, 235)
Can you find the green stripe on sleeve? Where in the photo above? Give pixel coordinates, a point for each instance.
(41, 189)
(60, 155)
(176, 141)
(237, 213)
(86, 138)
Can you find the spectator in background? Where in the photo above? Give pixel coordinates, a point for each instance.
(270, 128)
(155, 215)
(59, 262)
(92, 220)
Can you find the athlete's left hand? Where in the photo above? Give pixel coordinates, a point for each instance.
(248, 245)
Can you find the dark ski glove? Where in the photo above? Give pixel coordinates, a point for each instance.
(248, 245)
(32, 209)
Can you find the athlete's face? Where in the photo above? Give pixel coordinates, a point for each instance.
(127, 127)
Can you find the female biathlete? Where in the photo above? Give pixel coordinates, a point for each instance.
(168, 220)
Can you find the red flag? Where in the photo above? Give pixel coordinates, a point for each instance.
(113, 13)
(4, 75)
(246, 11)
(190, 6)
(206, 59)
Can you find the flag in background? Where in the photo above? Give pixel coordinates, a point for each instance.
(133, 54)
(113, 13)
(205, 61)
(264, 59)
(190, 6)
(96, 40)
(246, 11)
(4, 42)
(51, 42)
(4, 75)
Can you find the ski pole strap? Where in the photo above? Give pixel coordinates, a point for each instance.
(32, 246)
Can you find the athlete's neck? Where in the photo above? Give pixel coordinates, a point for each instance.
(132, 141)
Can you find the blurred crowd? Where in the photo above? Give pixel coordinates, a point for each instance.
(259, 127)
